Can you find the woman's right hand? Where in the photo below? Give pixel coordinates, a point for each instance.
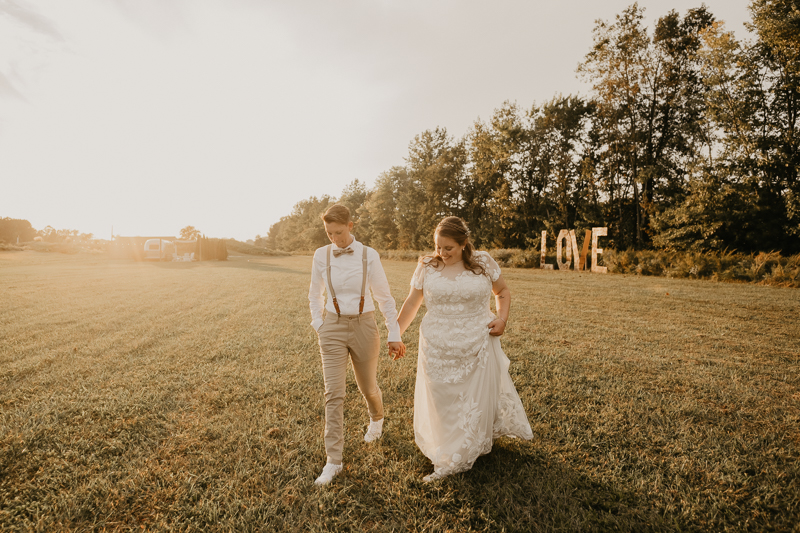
(397, 350)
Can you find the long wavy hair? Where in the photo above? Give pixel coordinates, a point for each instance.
(455, 228)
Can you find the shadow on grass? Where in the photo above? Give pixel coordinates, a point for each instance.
(520, 489)
(514, 488)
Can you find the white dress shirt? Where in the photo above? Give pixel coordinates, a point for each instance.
(346, 276)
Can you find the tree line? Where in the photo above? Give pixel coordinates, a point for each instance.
(687, 141)
(13, 230)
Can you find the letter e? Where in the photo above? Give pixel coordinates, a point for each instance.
(597, 232)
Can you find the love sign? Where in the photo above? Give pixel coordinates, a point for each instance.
(567, 240)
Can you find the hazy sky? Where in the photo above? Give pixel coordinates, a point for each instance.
(151, 115)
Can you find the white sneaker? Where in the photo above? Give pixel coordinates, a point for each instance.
(328, 473)
(374, 431)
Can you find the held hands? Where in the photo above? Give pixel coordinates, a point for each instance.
(397, 350)
(497, 327)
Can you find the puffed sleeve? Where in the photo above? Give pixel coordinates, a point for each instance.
(491, 266)
(418, 278)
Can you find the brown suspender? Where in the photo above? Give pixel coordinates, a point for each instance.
(330, 285)
(363, 281)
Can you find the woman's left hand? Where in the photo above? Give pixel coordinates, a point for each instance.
(497, 327)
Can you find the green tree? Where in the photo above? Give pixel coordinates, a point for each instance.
(649, 99)
(777, 55)
(378, 215)
(752, 119)
(429, 189)
(49, 234)
(302, 229)
(549, 184)
(716, 214)
(488, 195)
(189, 233)
(353, 197)
(13, 229)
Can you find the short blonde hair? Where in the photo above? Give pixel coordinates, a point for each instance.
(337, 213)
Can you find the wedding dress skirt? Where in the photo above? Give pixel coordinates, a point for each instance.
(464, 396)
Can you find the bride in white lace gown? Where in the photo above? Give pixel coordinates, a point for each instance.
(464, 396)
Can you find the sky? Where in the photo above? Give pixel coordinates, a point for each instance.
(142, 117)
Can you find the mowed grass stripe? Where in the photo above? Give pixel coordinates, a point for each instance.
(189, 396)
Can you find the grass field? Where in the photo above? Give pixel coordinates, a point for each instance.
(188, 396)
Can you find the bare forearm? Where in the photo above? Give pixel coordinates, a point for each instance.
(409, 310)
(502, 302)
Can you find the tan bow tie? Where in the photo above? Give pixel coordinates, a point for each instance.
(339, 251)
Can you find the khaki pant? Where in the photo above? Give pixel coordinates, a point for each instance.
(343, 338)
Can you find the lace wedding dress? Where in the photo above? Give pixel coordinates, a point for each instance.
(464, 396)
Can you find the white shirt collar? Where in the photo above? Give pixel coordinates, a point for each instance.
(351, 245)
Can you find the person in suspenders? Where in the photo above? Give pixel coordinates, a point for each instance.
(345, 323)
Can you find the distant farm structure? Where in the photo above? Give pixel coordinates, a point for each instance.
(168, 248)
